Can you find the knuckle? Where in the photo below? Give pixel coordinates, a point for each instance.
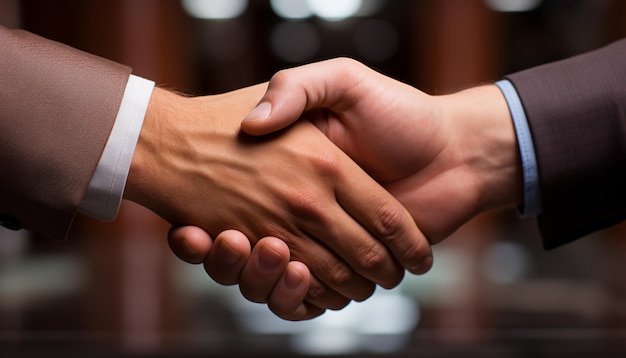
(340, 275)
(377, 260)
(316, 293)
(373, 258)
(390, 223)
(305, 203)
(352, 68)
(327, 163)
(349, 63)
(280, 77)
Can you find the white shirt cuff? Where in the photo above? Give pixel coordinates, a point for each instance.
(105, 191)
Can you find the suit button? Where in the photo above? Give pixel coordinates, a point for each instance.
(10, 222)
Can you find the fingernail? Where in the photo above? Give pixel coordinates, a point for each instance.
(293, 279)
(228, 255)
(269, 258)
(261, 111)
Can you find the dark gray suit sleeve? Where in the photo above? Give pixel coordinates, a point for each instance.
(57, 108)
(576, 111)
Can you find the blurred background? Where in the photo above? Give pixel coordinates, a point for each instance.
(115, 289)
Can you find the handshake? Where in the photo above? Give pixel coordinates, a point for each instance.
(337, 180)
(314, 188)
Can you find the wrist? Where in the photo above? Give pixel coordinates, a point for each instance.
(490, 149)
(151, 147)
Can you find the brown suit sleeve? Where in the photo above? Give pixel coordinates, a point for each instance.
(576, 111)
(57, 108)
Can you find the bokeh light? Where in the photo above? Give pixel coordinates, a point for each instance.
(331, 10)
(335, 10)
(513, 5)
(370, 7)
(215, 9)
(292, 9)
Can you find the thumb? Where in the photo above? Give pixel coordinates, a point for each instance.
(279, 107)
(293, 91)
(260, 120)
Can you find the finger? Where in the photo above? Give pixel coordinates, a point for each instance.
(308, 254)
(387, 221)
(287, 297)
(335, 246)
(189, 243)
(373, 225)
(291, 92)
(338, 281)
(322, 296)
(264, 269)
(346, 220)
(361, 253)
(269, 277)
(228, 257)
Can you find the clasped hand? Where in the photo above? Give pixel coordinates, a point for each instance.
(445, 158)
(194, 166)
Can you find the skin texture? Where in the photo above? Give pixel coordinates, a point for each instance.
(446, 158)
(194, 166)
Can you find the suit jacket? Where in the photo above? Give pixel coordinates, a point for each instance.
(576, 111)
(57, 108)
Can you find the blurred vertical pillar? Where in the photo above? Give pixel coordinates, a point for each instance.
(613, 241)
(12, 243)
(142, 259)
(457, 47)
(10, 13)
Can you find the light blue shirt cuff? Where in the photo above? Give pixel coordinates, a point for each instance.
(532, 197)
(104, 194)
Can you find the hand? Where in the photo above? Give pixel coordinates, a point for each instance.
(265, 274)
(446, 158)
(193, 166)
